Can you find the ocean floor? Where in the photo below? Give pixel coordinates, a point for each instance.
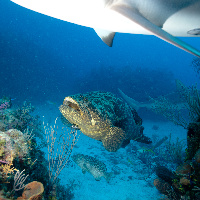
(132, 167)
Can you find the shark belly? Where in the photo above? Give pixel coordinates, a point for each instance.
(162, 18)
(98, 18)
(95, 14)
(183, 21)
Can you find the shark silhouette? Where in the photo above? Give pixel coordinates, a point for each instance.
(162, 18)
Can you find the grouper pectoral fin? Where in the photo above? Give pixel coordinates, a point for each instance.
(114, 139)
(106, 36)
(136, 17)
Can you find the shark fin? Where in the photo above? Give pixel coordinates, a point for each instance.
(136, 17)
(106, 36)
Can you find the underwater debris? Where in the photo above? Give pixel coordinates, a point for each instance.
(104, 117)
(92, 165)
(160, 142)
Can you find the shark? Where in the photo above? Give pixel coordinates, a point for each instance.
(166, 19)
(174, 98)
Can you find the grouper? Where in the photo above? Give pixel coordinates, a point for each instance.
(104, 117)
(93, 166)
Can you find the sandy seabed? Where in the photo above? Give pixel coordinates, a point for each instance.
(130, 180)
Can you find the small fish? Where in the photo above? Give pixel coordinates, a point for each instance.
(93, 166)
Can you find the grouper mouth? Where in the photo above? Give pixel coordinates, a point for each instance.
(68, 101)
(71, 111)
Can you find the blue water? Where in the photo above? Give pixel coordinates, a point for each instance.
(44, 59)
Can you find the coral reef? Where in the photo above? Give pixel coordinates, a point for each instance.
(193, 138)
(13, 142)
(32, 191)
(162, 152)
(186, 183)
(21, 159)
(162, 186)
(197, 156)
(19, 117)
